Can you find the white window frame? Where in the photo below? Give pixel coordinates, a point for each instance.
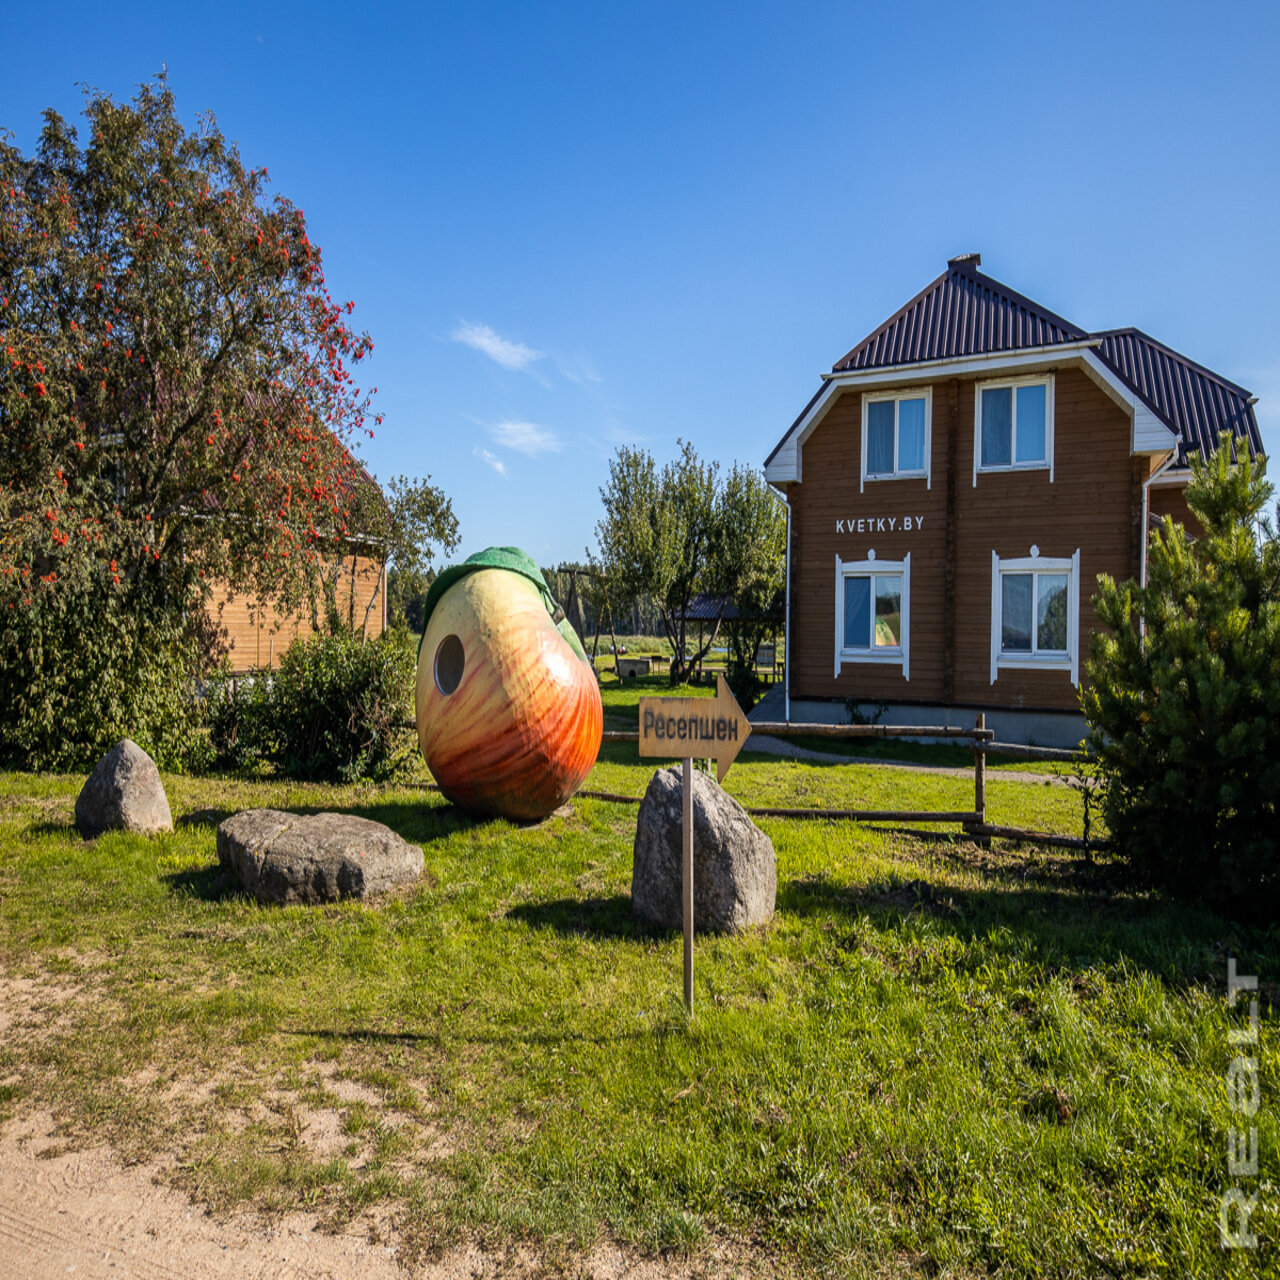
(912, 393)
(1039, 380)
(883, 655)
(1035, 563)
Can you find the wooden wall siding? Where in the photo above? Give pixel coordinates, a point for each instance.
(1089, 505)
(259, 636)
(1173, 502)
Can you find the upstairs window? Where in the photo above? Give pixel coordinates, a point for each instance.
(1014, 427)
(895, 435)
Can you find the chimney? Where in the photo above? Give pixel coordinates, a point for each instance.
(966, 262)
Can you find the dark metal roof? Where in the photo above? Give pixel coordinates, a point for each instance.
(962, 313)
(707, 608)
(965, 313)
(1195, 402)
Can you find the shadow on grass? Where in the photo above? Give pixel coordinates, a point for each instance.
(1059, 913)
(203, 818)
(586, 917)
(362, 1035)
(421, 824)
(209, 884)
(45, 827)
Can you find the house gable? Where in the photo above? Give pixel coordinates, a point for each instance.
(964, 323)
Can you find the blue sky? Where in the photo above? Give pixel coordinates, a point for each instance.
(571, 226)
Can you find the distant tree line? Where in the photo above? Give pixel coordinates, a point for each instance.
(672, 534)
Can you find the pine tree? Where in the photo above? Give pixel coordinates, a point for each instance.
(1183, 701)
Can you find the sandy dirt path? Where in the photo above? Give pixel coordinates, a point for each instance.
(82, 1214)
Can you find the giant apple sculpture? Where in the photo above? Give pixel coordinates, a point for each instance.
(508, 707)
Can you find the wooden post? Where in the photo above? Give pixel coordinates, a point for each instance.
(687, 884)
(614, 638)
(980, 772)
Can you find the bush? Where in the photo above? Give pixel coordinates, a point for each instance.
(744, 681)
(331, 711)
(1184, 709)
(242, 722)
(78, 673)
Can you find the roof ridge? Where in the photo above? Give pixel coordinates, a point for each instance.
(967, 272)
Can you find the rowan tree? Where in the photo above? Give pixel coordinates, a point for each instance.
(178, 397)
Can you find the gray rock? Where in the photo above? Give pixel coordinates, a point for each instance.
(124, 792)
(288, 857)
(735, 872)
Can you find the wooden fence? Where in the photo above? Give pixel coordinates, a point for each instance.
(973, 822)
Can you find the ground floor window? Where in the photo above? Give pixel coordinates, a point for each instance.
(1035, 613)
(873, 611)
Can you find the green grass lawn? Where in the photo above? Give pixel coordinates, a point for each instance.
(937, 1060)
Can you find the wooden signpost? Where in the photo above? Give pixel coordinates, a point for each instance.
(712, 728)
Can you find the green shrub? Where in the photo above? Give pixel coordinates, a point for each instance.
(331, 711)
(241, 722)
(744, 681)
(80, 672)
(1184, 709)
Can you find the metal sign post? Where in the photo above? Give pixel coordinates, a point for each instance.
(686, 882)
(685, 727)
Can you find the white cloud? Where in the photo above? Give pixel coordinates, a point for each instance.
(579, 369)
(526, 437)
(510, 355)
(492, 459)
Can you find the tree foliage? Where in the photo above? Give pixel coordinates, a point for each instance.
(675, 533)
(1183, 701)
(178, 393)
(750, 560)
(417, 520)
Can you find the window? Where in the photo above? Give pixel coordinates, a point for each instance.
(895, 435)
(1035, 613)
(1013, 426)
(873, 611)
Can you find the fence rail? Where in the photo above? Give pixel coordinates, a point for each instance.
(974, 822)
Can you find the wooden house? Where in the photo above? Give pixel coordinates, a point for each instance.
(954, 489)
(258, 634)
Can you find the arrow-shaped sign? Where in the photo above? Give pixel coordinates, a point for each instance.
(702, 727)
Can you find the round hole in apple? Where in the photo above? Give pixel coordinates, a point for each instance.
(450, 664)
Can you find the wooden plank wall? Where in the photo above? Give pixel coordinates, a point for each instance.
(258, 635)
(1093, 504)
(1169, 501)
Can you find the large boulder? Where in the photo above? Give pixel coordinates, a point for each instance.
(288, 857)
(735, 872)
(124, 792)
